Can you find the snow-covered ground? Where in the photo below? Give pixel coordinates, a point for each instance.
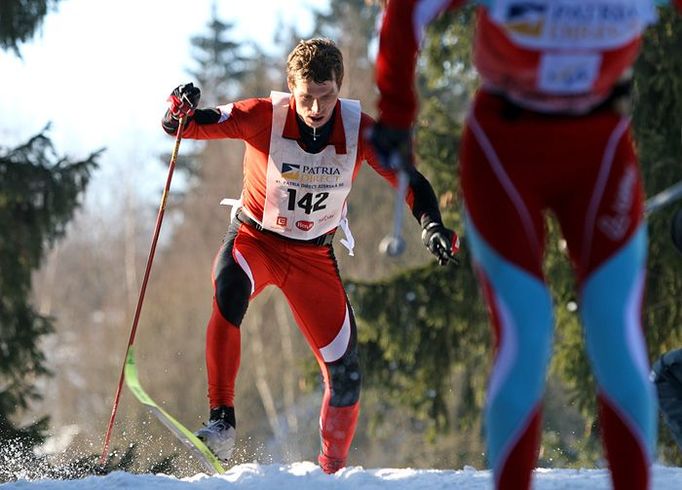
(308, 476)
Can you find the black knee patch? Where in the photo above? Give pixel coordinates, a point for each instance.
(232, 291)
(345, 380)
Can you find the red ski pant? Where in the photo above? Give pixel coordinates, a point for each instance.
(307, 274)
(516, 166)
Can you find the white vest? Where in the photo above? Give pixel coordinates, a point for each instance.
(573, 25)
(306, 193)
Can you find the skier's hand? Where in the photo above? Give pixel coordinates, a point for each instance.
(441, 242)
(393, 146)
(183, 100)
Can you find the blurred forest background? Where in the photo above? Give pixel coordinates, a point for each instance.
(69, 280)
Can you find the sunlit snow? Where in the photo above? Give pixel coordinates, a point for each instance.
(308, 476)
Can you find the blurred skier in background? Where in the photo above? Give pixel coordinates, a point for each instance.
(549, 130)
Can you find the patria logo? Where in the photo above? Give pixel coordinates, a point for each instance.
(290, 171)
(311, 174)
(527, 18)
(570, 21)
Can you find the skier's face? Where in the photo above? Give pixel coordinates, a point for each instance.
(314, 101)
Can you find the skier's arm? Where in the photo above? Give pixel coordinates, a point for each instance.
(401, 34)
(233, 120)
(420, 197)
(198, 118)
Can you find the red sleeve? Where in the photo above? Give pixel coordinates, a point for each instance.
(401, 32)
(238, 120)
(678, 4)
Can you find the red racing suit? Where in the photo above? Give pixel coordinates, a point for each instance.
(544, 135)
(292, 201)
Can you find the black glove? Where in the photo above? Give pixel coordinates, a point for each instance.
(441, 242)
(183, 100)
(393, 146)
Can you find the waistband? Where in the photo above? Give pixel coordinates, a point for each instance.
(320, 241)
(618, 100)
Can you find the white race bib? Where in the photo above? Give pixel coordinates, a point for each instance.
(306, 193)
(561, 74)
(573, 24)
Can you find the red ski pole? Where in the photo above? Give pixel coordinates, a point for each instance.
(140, 299)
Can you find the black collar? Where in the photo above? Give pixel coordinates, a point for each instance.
(314, 140)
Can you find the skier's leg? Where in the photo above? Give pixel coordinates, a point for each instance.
(237, 276)
(609, 251)
(321, 309)
(340, 405)
(506, 237)
(611, 313)
(239, 273)
(521, 312)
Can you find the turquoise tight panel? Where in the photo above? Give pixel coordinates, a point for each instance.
(524, 308)
(610, 308)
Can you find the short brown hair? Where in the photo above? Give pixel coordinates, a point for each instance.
(316, 59)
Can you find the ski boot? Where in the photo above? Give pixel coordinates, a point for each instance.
(219, 432)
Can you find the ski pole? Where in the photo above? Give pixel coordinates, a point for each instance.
(393, 245)
(140, 299)
(663, 198)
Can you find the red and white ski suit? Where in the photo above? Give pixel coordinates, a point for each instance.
(292, 201)
(543, 135)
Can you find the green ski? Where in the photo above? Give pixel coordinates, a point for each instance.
(194, 444)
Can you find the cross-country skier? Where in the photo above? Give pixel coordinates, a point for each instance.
(548, 131)
(303, 151)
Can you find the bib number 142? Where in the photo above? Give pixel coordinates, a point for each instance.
(308, 202)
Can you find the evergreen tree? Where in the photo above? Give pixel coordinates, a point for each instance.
(222, 63)
(19, 20)
(39, 192)
(223, 67)
(350, 23)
